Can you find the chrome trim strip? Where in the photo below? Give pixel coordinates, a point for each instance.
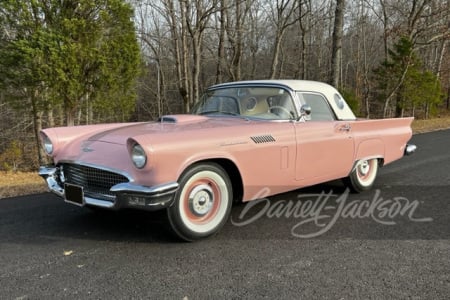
(249, 84)
(97, 202)
(129, 187)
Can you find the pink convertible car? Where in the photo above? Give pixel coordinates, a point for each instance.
(242, 138)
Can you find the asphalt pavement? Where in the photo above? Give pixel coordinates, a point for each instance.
(318, 242)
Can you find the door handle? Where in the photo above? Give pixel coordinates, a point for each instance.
(345, 127)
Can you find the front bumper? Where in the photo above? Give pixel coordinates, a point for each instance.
(127, 194)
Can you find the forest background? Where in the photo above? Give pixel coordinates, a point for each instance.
(65, 62)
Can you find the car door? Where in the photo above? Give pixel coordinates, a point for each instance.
(325, 146)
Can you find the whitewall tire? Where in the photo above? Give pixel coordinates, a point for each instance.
(202, 203)
(363, 175)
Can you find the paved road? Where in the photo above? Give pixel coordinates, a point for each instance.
(392, 242)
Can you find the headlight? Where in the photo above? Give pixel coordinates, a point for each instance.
(138, 156)
(47, 144)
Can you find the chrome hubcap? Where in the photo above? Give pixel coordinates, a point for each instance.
(364, 167)
(201, 200)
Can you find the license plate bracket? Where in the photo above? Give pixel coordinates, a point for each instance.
(74, 194)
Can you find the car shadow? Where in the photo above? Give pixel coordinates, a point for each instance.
(45, 218)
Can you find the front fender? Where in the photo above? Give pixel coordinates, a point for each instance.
(202, 157)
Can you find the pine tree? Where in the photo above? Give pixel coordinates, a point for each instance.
(70, 55)
(403, 79)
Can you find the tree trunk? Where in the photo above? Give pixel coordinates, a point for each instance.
(366, 70)
(179, 45)
(238, 51)
(197, 43)
(440, 58)
(385, 29)
(185, 88)
(50, 117)
(276, 54)
(396, 88)
(235, 40)
(303, 53)
(221, 46)
(60, 114)
(336, 51)
(79, 112)
(253, 44)
(448, 98)
(37, 126)
(70, 115)
(427, 110)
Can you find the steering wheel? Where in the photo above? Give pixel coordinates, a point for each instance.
(283, 112)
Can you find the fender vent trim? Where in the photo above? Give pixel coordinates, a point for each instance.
(261, 139)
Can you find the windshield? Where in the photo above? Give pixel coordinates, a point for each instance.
(255, 102)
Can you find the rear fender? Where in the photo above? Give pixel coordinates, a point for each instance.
(373, 148)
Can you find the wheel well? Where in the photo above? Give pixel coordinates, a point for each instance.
(233, 173)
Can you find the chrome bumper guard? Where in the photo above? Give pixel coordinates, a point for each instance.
(410, 149)
(127, 194)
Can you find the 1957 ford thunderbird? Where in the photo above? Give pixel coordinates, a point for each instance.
(241, 138)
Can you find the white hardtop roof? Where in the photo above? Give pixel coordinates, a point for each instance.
(294, 84)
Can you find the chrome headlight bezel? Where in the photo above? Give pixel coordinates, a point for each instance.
(138, 156)
(47, 144)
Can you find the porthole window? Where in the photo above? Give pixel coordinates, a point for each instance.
(339, 101)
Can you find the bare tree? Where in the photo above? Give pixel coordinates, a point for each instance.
(336, 48)
(221, 44)
(281, 15)
(304, 19)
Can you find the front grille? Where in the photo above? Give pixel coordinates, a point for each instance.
(96, 183)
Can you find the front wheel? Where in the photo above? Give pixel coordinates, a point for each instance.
(363, 175)
(202, 203)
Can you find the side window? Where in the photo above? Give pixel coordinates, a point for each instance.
(320, 110)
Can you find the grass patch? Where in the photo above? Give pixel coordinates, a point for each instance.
(20, 183)
(14, 184)
(421, 126)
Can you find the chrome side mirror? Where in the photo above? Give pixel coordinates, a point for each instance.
(305, 111)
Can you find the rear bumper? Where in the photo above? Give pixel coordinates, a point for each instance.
(127, 194)
(410, 149)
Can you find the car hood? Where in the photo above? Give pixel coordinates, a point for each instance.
(166, 124)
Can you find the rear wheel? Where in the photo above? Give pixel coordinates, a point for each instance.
(202, 203)
(363, 175)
